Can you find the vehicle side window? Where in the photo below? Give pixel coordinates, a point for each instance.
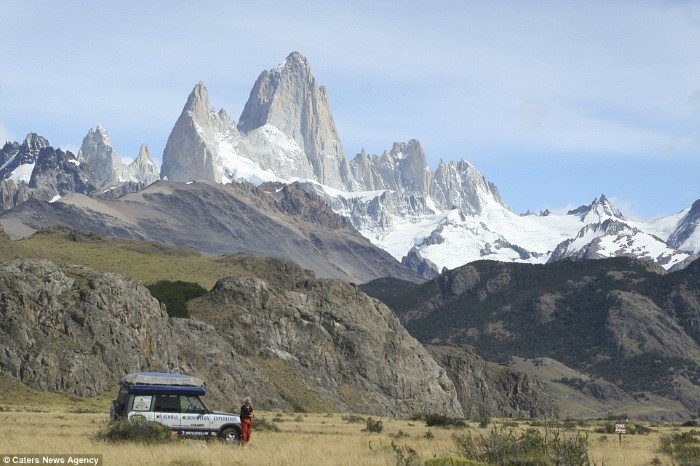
(123, 396)
(142, 402)
(167, 404)
(191, 404)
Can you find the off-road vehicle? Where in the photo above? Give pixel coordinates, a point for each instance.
(173, 400)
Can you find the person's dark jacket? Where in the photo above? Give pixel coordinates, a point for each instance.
(246, 412)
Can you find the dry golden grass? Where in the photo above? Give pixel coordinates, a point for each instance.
(303, 439)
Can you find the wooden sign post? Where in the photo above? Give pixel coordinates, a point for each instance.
(619, 430)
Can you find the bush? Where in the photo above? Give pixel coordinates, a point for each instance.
(144, 432)
(484, 422)
(607, 428)
(374, 426)
(442, 420)
(531, 448)
(175, 295)
(263, 424)
(683, 447)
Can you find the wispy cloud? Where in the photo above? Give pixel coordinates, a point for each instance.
(5, 134)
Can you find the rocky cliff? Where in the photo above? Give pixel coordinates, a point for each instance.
(289, 340)
(622, 322)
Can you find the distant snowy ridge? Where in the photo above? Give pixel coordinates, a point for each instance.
(447, 217)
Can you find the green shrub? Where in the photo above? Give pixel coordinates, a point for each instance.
(683, 447)
(263, 424)
(442, 420)
(375, 426)
(143, 432)
(607, 428)
(529, 448)
(175, 295)
(484, 422)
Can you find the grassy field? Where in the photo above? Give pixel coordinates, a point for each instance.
(302, 439)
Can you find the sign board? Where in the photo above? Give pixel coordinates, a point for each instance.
(620, 429)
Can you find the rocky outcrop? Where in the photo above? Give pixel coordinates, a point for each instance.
(459, 185)
(636, 325)
(290, 340)
(352, 347)
(686, 235)
(486, 389)
(58, 173)
(423, 267)
(13, 193)
(143, 169)
(98, 153)
(75, 331)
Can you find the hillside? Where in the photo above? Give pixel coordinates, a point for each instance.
(261, 326)
(273, 220)
(619, 323)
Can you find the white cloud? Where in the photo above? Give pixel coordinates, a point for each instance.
(70, 148)
(629, 209)
(5, 135)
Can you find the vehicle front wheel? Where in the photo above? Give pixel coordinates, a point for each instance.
(231, 435)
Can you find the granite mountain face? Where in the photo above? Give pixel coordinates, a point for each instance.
(98, 153)
(288, 98)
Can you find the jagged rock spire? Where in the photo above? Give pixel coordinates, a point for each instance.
(191, 151)
(144, 169)
(99, 155)
(288, 98)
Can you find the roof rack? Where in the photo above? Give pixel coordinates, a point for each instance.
(161, 378)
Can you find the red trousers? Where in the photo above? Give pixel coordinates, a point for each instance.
(246, 427)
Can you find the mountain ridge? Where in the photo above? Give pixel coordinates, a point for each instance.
(272, 220)
(621, 321)
(448, 216)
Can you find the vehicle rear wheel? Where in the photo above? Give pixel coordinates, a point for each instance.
(231, 435)
(114, 410)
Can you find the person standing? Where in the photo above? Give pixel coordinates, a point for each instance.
(246, 421)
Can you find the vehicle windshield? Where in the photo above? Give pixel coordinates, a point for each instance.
(192, 404)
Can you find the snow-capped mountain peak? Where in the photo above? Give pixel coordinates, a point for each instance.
(686, 235)
(597, 211)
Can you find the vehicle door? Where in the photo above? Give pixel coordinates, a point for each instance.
(167, 410)
(196, 420)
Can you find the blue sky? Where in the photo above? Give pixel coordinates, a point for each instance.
(556, 102)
